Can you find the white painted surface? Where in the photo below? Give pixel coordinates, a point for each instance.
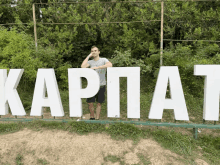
(46, 80)
(75, 88)
(177, 101)
(8, 92)
(211, 90)
(133, 91)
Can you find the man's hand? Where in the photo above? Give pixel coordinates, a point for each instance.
(91, 55)
(95, 68)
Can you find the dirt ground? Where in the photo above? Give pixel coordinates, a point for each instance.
(59, 147)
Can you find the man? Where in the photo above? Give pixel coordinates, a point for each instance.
(99, 65)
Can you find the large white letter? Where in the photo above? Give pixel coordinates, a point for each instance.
(177, 101)
(133, 88)
(211, 90)
(46, 79)
(75, 88)
(9, 94)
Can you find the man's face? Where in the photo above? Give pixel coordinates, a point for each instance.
(95, 52)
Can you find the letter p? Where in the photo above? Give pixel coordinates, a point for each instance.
(75, 89)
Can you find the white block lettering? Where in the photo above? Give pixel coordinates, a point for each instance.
(75, 88)
(211, 90)
(46, 80)
(133, 88)
(177, 101)
(9, 94)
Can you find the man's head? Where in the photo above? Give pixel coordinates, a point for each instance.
(95, 51)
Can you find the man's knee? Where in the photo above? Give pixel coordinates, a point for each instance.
(90, 104)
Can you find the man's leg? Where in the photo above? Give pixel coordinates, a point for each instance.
(91, 108)
(101, 99)
(90, 102)
(98, 110)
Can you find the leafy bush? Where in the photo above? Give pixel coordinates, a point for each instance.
(123, 59)
(16, 51)
(185, 57)
(62, 72)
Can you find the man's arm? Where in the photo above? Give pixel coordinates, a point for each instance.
(108, 64)
(84, 64)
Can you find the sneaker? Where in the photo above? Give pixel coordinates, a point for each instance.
(92, 118)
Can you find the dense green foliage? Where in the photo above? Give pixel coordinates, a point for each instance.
(62, 46)
(131, 44)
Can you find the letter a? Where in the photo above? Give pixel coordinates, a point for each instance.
(177, 101)
(46, 79)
